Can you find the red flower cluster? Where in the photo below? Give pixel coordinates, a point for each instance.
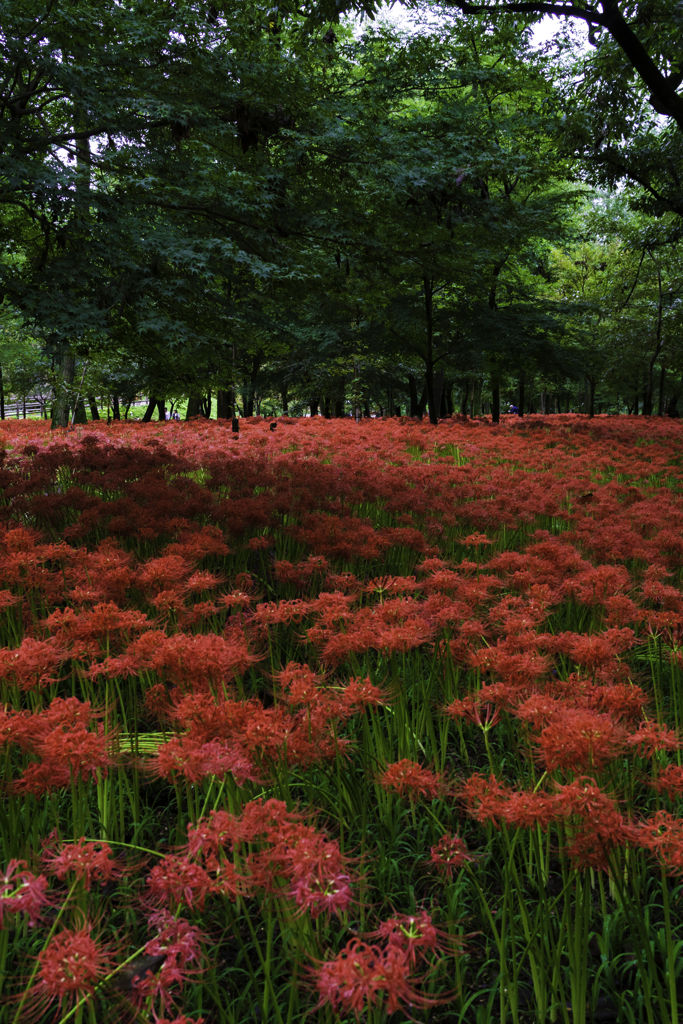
(150, 604)
(272, 850)
(364, 974)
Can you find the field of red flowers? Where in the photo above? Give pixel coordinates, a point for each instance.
(342, 720)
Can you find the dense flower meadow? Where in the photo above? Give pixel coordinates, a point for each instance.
(340, 720)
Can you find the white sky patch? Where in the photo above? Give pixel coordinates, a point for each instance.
(411, 21)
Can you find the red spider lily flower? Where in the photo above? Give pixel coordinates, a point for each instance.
(476, 540)
(601, 826)
(363, 975)
(177, 881)
(410, 933)
(352, 980)
(359, 694)
(653, 736)
(162, 573)
(330, 895)
(288, 851)
(92, 861)
(670, 781)
(300, 684)
(621, 610)
(238, 599)
(317, 872)
(179, 943)
(391, 585)
(513, 667)
(432, 565)
(525, 809)
(196, 761)
(593, 841)
(262, 818)
(484, 799)
(579, 739)
(168, 601)
(67, 753)
(584, 797)
(105, 623)
(404, 637)
(209, 837)
(33, 665)
(663, 836)
(539, 710)
(8, 599)
(471, 708)
(449, 855)
(621, 700)
(203, 580)
(29, 730)
(22, 892)
(259, 543)
(406, 778)
(71, 966)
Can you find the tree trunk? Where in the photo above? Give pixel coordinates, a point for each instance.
(2, 396)
(495, 401)
(648, 399)
(477, 397)
(224, 404)
(464, 398)
(256, 364)
(429, 355)
(520, 409)
(149, 410)
(80, 415)
(94, 411)
(449, 397)
(662, 376)
(314, 407)
(326, 408)
(194, 407)
(206, 406)
(591, 397)
(438, 392)
(66, 370)
(116, 408)
(161, 406)
(284, 393)
(647, 396)
(339, 407)
(412, 390)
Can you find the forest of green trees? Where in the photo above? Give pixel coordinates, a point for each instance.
(296, 209)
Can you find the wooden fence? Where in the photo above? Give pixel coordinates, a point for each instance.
(20, 408)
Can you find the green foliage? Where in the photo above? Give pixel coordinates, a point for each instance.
(233, 196)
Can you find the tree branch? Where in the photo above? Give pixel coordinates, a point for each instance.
(663, 95)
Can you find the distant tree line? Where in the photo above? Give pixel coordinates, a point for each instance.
(256, 210)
